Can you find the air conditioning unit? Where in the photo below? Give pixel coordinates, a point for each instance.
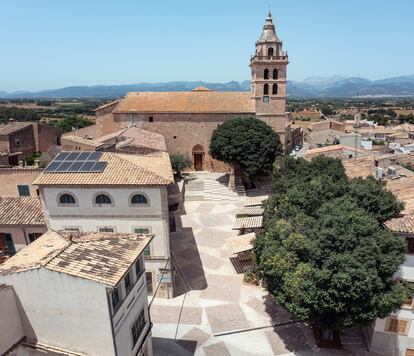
(392, 171)
(379, 173)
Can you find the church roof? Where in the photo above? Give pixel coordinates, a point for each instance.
(269, 33)
(197, 101)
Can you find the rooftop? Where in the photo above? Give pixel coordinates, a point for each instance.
(198, 101)
(6, 129)
(121, 170)
(83, 140)
(21, 211)
(404, 224)
(101, 257)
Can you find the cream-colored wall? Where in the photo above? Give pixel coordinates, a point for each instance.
(20, 234)
(10, 324)
(11, 178)
(64, 311)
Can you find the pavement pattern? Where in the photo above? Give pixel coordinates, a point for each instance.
(215, 313)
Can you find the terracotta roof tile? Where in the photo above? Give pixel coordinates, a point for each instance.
(121, 169)
(404, 224)
(186, 102)
(21, 211)
(101, 257)
(6, 129)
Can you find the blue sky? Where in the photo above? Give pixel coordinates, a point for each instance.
(50, 44)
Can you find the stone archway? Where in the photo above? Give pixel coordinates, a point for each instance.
(198, 153)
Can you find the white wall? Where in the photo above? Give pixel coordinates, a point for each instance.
(64, 311)
(120, 214)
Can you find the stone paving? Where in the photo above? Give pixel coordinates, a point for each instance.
(215, 311)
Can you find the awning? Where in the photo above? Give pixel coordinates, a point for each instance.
(254, 201)
(241, 243)
(250, 211)
(249, 222)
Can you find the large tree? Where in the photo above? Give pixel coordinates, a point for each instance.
(248, 143)
(324, 254)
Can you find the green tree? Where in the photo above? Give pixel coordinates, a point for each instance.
(179, 162)
(71, 122)
(248, 143)
(325, 255)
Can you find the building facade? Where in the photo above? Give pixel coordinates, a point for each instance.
(128, 196)
(100, 274)
(188, 119)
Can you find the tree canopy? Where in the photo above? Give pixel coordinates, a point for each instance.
(325, 255)
(247, 142)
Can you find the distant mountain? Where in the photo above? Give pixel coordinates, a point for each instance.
(313, 87)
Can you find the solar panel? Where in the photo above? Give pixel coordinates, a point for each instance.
(61, 156)
(87, 166)
(75, 167)
(64, 166)
(94, 156)
(52, 166)
(98, 167)
(72, 156)
(83, 156)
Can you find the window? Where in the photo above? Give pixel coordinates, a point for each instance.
(115, 298)
(270, 52)
(141, 230)
(151, 119)
(147, 251)
(397, 326)
(148, 279)
(16, 142)
(137, 327)
(139, 199)
(11, 250)
(106, 229)
(128, 284)
(103, 199)
(266, 99)
(274, 89)
(410, 245)
(408, 303)
(275, 74)
(72, 229)
(138, 268)
(23, 190)
(266, 74)
(266, 89)
(33, 236)
(67, 199)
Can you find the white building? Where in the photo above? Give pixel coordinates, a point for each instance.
(394, 335)
(80, 294)
(127, 193)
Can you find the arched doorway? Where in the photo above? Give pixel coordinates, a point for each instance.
(198, 157)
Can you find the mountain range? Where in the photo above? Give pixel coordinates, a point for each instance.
(313, 87)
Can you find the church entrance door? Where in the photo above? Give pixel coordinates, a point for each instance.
(198, 161)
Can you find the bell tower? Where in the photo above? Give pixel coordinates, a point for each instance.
(268, 81)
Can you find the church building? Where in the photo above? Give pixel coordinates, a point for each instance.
(188, 119)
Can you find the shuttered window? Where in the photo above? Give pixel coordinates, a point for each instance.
(397, 326)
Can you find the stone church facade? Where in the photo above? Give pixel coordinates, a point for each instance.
(188, 119)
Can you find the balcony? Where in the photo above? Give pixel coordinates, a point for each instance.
(268, 58)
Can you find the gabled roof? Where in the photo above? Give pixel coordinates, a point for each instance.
(101, 257)
(121, 170)
(21, 211)
(11, 127)
(199, 101)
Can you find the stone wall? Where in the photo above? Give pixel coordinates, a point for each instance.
(10, 178)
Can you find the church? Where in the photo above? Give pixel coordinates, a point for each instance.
(188, 119)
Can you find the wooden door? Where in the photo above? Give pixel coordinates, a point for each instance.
(198, 161)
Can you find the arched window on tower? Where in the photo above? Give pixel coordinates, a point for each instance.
(270, 52)
(275, 74)
(266, 89)
(266, 74)
(274, 89)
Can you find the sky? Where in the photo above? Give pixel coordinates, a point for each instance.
(48, 44)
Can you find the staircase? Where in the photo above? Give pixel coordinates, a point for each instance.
(202, 186)
(353, 340)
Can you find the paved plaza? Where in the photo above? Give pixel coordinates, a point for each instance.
(216, 313)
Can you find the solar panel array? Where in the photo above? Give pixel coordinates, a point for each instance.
(67, 162)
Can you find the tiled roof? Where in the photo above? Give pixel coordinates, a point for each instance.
(186, 102)
(6, 129)
(253, 201)
(403, 224)
(135, 136)
(240, 243)
(249, 222)
(82, 140)
(21, 211)
(101, 257)
(250, 211)
(121, 169)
